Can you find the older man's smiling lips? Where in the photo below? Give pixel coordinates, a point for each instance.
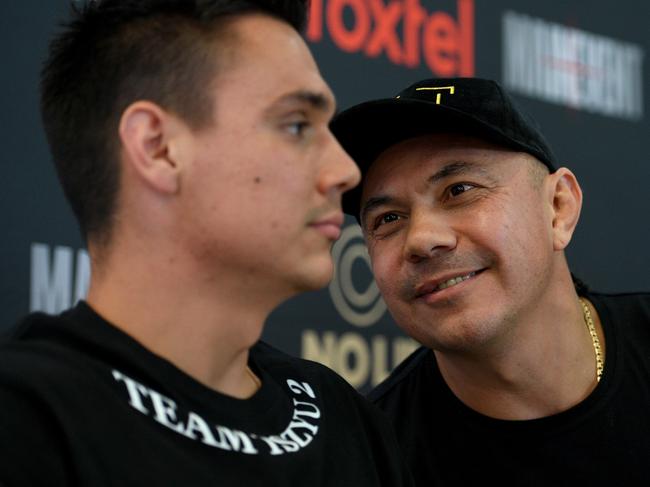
(447, 282)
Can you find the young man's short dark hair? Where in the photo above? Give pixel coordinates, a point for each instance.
(114, 52)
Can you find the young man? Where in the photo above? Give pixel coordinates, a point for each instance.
(523, 377)
(192, 140)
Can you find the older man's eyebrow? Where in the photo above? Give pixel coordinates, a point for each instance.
(449, 170)
(457, 168)
(371, 204)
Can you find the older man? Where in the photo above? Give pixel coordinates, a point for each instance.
(524, 377)
(192, 140)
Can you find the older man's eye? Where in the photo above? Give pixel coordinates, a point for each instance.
(387, 218)
(460, 188)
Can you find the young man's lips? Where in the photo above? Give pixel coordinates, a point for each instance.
(329, 226)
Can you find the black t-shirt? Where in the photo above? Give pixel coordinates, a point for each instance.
(604, 440)
(83, 404)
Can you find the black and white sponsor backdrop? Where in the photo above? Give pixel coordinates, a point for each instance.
(579, 67)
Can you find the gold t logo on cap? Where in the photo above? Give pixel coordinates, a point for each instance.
(438, 95)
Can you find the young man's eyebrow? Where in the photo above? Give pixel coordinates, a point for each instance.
(316, 100)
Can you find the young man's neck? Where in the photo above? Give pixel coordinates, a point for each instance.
(205, 327)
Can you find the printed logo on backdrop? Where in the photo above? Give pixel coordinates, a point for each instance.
(402, 30)
(363, 307)
(572, 67)
(360, 355)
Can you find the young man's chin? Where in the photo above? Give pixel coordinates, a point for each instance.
(316, 275)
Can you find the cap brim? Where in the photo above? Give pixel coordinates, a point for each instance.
(368, 129)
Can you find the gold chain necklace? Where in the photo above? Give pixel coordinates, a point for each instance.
(594, 339)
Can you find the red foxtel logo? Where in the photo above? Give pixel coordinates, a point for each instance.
(446, 44)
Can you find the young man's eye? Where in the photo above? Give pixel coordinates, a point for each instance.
(459, 188)
(297, 129)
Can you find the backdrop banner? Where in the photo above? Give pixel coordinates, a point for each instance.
(578, 67)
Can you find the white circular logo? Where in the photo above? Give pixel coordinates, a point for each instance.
(363, 308)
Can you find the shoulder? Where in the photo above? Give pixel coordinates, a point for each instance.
(337, 397)
(277, 362)
(625, 318)
(634, 306)
(34, 372)
(333, 390)
(29, 339)
(404, 375)
(41, 328)
(25, 327)
(41, 352)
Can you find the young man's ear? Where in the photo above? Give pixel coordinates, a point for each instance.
(151, 145)
(566, 199)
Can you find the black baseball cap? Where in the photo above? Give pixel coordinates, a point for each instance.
(471, 106)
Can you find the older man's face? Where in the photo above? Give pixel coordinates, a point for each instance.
(460, 234)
